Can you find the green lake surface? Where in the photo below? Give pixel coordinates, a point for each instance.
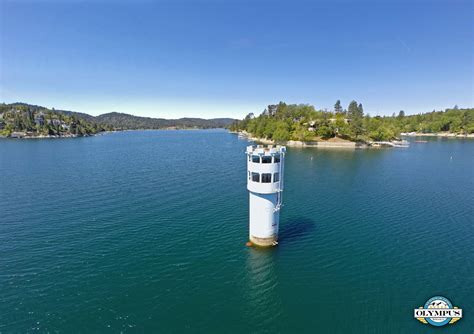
(145, 231)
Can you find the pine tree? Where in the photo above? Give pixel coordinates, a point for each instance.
(338, 107)
(355, 114)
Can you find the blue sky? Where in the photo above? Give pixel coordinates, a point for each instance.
(228, 58)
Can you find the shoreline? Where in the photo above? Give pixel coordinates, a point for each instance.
(53, 136)
(439, 134)
(25, 136)
(343, 144)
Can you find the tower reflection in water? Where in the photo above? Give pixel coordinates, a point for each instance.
(262, 291)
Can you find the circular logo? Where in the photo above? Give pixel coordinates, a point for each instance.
(438, 302)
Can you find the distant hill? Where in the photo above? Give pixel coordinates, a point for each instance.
(40, 121)
(127, 121)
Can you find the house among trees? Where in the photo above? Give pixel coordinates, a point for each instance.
(54, 121)
(270, 110)
(39, 119)
(334, 120)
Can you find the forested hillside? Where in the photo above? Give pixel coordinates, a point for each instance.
(23, 120)
(284, 122)
(126, 121)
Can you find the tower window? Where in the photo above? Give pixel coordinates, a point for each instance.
(266, 159)
(266, 178)
(276, 177)
(276, 158)
(255, 177)
(256, 159)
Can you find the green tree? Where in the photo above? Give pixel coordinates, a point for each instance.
(325, 131)
(269, 129)
(281, 132)
(338, 107)
(382, 133)
(355, 114)
(340, 126)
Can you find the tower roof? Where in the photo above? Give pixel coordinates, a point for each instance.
(265, 149)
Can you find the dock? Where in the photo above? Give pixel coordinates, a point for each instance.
(402, 143)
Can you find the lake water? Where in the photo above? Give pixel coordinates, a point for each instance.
(146, 231)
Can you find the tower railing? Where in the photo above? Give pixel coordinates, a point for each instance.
(280, 185)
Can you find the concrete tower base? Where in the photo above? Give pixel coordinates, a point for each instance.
(264, 242)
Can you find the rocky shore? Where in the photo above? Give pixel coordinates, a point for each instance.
(30, 135)
(330, 143)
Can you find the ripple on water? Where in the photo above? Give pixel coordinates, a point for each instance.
(146, 231)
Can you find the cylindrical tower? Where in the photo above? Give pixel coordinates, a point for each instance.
(265, 167)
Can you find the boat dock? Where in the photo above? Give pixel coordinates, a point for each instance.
(402, 143)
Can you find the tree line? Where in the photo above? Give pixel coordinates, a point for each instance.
(303, 122)
(37, 120)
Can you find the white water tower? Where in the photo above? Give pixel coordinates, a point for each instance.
(265, 169)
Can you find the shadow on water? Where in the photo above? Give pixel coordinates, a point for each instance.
(295, 229)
